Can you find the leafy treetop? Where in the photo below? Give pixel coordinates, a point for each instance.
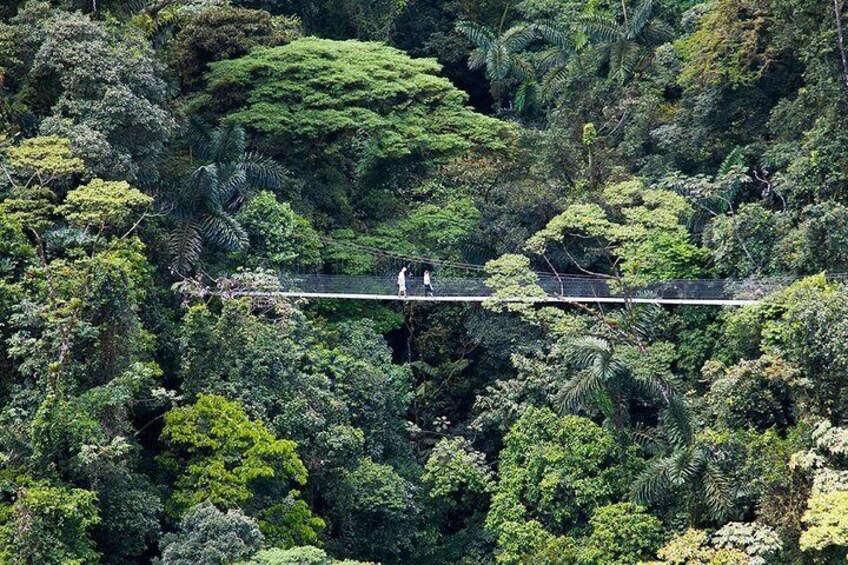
(364, 100)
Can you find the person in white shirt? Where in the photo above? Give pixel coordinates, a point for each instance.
(428, 286)
(401, 282)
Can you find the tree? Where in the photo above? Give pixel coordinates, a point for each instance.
(17, 256)
(761, 543)
(622, 534)
(686, 465)
(732, 44)
(373, 512)
(553, 473)
(106, 95)
(625, 45)
(226, 32)
(557, 64)
(279, 237)
(48, 523)
(500, 52)
(805, 322)
(455, 471)
(104, 205)
(208, 536)
(361, 113)
(820, 240)
(203, 205)
(691, 548)
(37, 168)
(752, 394)
(745, 243)
(825, 521)
(652, 244)
(221, 456)
(306, 555)
(342, 377)
(604, 380)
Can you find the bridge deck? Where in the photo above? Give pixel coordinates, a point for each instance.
(546, 289)
(546, 300)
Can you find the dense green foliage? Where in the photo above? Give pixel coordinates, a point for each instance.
(162, 160)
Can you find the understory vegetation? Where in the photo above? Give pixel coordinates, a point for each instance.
(160, 159)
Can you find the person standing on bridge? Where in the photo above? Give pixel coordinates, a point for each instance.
(401, 282)
(428, 286)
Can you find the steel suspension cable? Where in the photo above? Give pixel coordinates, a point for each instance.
(429, 260)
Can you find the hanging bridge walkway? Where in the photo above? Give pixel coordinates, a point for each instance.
(563, 289)
(541, 287)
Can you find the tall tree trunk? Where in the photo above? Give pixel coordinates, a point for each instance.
(840, 33)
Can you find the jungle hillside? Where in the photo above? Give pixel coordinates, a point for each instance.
(165, 165)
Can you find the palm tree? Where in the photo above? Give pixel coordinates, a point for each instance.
(683, 465)
(203, 205)
(500, 53)
(625, 44)
(556, 62)
(603, 381)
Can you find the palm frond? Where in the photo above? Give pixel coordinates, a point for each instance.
(652, 386)
(262, 172)
(203, 182)
(585, 351)
(224, 231)
(736, 158)
(640, 17)
(652, 483)
(555, 80)
(676, 422)
(518, 37)
(551, 58)
(645, 320)
(599, 28)
(647, 438)
(232, 183)
(526, 96)
(186, 243)
(478, 34)
(556, 36)
(497, 63)
(226, 143)
(477, 59)
(623, 59)
(681, 467)
(197, 133)
(595, 355)
(717, 491)
(656, 32)
(523, 70)
(578, 390)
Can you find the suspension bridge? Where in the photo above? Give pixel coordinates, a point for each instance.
(540, 287)
(561, 289)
